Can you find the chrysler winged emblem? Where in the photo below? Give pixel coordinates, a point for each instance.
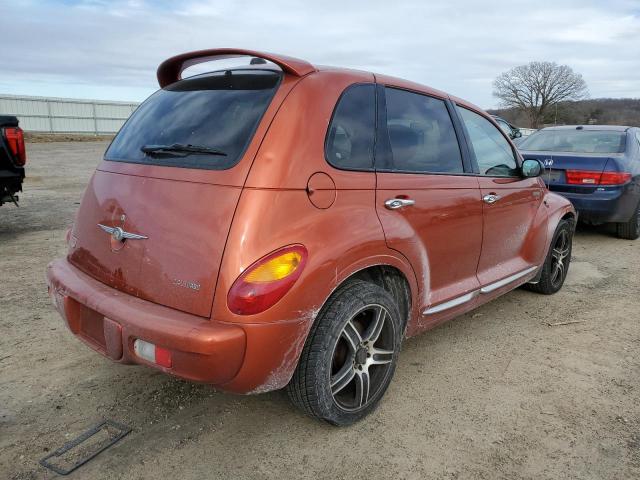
(118, 234)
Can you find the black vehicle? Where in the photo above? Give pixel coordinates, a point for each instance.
(513, 132)
(12, 159)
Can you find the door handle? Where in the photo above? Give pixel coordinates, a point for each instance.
(396, 203)
(491, 198)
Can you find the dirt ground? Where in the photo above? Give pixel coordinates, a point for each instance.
(495, 394)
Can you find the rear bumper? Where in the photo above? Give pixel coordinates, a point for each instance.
(238, 358)
(611, 204)
(110, 321)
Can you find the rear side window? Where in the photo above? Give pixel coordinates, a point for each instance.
(493, 152)
(421, 134)
(219, 111)
(350, 138)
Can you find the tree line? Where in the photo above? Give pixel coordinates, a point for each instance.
(545, 93)
(596, 111)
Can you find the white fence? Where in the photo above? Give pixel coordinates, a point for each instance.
(66, 115)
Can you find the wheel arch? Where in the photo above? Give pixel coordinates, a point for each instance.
(559, 209)
(570, 216)
(385, 269)
(392, 280)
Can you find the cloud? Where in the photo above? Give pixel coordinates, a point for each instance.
(110, 49)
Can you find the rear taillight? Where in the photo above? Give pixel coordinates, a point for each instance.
(614, 178)
(266, 281)
(15, 140)
(585, 177)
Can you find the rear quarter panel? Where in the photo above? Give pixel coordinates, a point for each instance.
(275, 210)
(340, 240)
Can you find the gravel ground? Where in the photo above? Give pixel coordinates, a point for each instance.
(495, 394)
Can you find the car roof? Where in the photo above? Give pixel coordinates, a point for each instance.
(614, 128)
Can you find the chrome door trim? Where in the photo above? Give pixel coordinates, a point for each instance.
(506, 281)
(467, 297)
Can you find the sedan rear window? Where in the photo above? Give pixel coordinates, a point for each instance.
(205, 122)
(575, 141)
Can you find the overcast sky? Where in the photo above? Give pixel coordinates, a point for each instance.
(110, 49)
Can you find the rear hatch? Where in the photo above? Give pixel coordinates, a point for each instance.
(573, 150)
(170, 181)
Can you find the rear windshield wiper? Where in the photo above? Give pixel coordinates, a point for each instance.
(181, 148)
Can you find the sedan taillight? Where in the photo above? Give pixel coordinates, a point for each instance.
(614, 178)
(586, 177)
(15, 140)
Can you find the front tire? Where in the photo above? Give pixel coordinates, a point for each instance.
(556, 266)
(350, 355)
(630, 230)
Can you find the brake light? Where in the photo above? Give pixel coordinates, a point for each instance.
(15, 140)
(265, 282)
(585, 177)
(614, 178)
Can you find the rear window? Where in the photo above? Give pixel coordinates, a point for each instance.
(219, 111)
(575, 141)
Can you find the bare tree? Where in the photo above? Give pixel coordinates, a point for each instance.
(537, 86)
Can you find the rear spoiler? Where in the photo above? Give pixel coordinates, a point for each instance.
(171, 69)
(8, 121)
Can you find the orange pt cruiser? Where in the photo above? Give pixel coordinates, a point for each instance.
(286, 225)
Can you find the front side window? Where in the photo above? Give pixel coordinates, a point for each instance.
(351, 134)
(492, 151)
(205, 122)
(421, 134)
(505, 127)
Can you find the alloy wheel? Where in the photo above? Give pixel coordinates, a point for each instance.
(559, 254)
(362, 357)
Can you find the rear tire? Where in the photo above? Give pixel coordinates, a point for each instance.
(556, 265)
(350, 355)
(630, 230)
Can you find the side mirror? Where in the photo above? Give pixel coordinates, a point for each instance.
(517, 134)
(532, 168)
